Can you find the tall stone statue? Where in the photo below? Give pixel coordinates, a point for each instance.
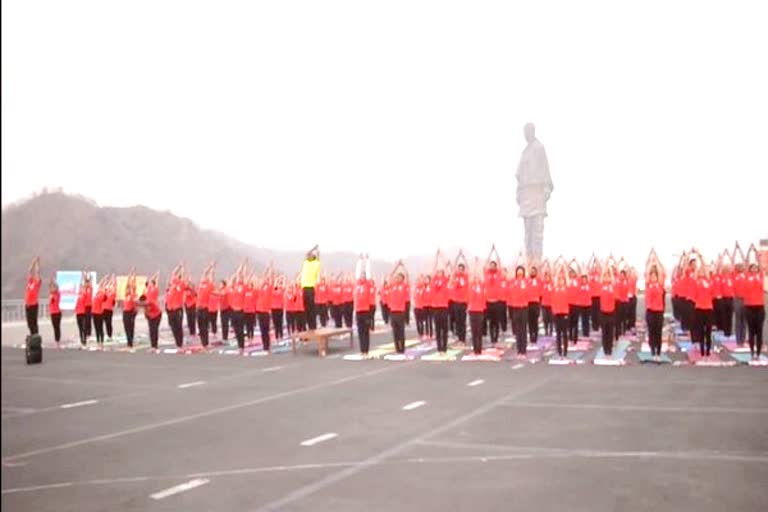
(534, 186)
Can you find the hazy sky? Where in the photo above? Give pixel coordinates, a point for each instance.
(396, 126)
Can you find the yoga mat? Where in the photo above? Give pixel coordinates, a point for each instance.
(399, 357)
(556, 361)
(665, 347)
(580, 346)
(746, 358)
(646, 357)
(732, 346)
(388, 348)
(420, 349)
(450, 355)
(493, 354)
(619, 352)
(576, 355)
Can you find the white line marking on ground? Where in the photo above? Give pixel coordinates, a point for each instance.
(176, 489)
(78, 404)
(205, 414)
(319, 439)
(191, 384)
(272, 369)
(414, 405)
(14, 464)
(647, 408)
(475, 382)
(518, 366)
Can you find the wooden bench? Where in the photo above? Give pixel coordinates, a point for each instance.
(322, 336)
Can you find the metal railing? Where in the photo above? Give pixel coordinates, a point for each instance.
(13, 311)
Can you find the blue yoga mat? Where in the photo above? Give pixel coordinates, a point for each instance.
(619, 351)
(646, 357)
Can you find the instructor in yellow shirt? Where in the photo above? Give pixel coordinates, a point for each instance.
(310, 272)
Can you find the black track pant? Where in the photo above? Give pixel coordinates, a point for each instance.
(702, 329)
(337, 314)
(175, 320)
(573, 323)
(451, 317)
(622, 318)
(202, 325)
(496, 310)
(56, 321)
(584, 313)
(192, 320)
(420, 323)
(503, 317)
(755, 317)
(250, 324)
(632, 313)
(237, 326)
(441, 328)
(520, 328)
(561, 333)
(372, 311)
(594, 311)
(309, 308)
(108, 322)
(385, 313)
(534, 308)
(154, 330)
(460, 320)
(408, 313)
(88, 321)
(727, 316)
(322, 313)
(31, 312)
(349, 309)
(397, 321)
(98, 325)
(655, 321)
(225, 317)
(476, 319)
(81, 328)
(364, 330)
(277, 321)
(429, 323)
(212, 320)
(264, 329)
(607, 326)
(129, 324)
(546, 315)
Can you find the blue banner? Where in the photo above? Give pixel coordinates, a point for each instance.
(69, 286)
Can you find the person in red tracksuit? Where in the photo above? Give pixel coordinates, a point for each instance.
(236, 298)
(654, 303)
(250, 294)
(398, 297)
(54, 297)
(560, 309)
(364, 298)
(372, 309)
(348, 296)
(80, 312)
(110, 292)
(584, 301)
(608, 310)
(703, 313)
(476, 303)
(31, 295)
(88, 294)
(337, 301)
(174, 304)
(263, 307)
(440, 305)
(190, 307)
(573, 303)
(460, 281)
(754, 303)
(495, 306)
(534, 303)
(278, 305)
(204, 293)
(129, 309)
(98, 313)
(518, 297)
(151, 301)
(546, 300)
(321, 301)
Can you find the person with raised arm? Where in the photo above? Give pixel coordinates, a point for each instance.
(440, 303)
(235, 296)
(54, 298)
(703, 314)
(190, 306)
(476, 303)
(534, 302)
(398, 296)
(460, 296)
(574, 285)
(250, 294)
(495, 306)
(204, 290)
(278, 305)
(348, 296)
(418, 307)
(129, 308)
(739, 279)
(310, 271)
(654, 302)
(593, 268)
(754, 302)
(80, 311)
(517, 302)
(622, 295)
(547, 286)
(725, 273)
(110, 295)
(98, 311)
(321, 300)
(560, 308)
(175, 302)
(337, 302)
(372, 309)
(88, 297)
(31, 295)
(363, 299)
(263, 306)
(608, 303)
(150, 300)
(584, 300)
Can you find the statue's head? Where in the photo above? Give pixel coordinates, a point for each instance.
(530, 132)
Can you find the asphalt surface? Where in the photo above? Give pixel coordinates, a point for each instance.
(528, 437)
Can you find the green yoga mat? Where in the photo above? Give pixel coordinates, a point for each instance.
(389, 348)
(744, 357)
(646, 357)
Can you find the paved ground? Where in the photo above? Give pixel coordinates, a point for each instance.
(532, 437)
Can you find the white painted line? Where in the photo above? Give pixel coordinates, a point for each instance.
(414, 405)
(272, 369)
(179, 488)
(518, 366)
(475, 382)
(319, 439)
(78, 404)
(191, 384)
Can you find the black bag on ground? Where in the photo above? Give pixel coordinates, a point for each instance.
(34, 349)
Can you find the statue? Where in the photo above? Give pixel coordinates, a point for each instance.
(534, 186)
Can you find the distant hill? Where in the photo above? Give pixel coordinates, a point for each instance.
(72, 232)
